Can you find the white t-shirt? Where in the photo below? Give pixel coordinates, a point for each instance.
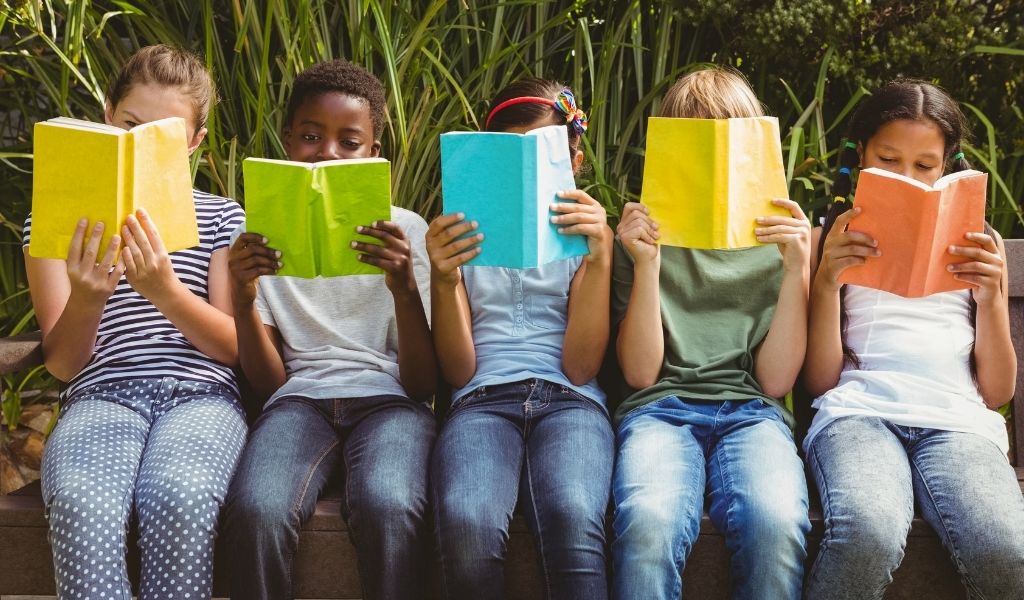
(339, 334)
(915, 369)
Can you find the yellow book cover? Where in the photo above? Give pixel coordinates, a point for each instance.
(706, 180)
(104, 173)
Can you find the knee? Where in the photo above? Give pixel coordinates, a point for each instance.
(575, 516)
(867, 536)
(650, 529)
(251, 515)
(468, 521)
(78, 505)
(771, 527)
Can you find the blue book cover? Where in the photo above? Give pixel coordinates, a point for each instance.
(507, 183)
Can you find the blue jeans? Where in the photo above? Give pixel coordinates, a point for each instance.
(869, 473)
(161, 447)
(382, 446)
(547, 446)
(742, 453)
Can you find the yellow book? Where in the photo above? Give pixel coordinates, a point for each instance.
(104, 173)
(706, 180)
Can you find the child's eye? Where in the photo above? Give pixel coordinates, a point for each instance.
(310, 137)
(352, 143)
(130, 124)
(925, 167)
(886, 159)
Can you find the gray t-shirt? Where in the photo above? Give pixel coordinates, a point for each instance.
(339, 335)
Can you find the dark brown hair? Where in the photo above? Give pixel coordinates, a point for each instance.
(345, 78)
(529, 113)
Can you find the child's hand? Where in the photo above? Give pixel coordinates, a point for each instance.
(791, 234)
(844, 249)
(638, 233)
(584, 217)
(148, 267)
(447, 252)
(394, 255)
(248, 258)
(90, 281)
(984, 271)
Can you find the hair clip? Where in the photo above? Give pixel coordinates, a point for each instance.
(565, 103)
(958, 156)
(839, 199)
(844, 171)
(850, 145)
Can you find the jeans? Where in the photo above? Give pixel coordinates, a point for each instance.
(382, 446)
(743, 455)
(869, 473)
(161, 447)
(547, 446)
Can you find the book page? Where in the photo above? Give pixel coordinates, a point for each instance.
(161, 181)
(961, 208)
(553, 174)
(89, 125)
(350, 193)
(279, 199)
(756, 177)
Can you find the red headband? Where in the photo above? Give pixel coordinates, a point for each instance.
(519, 100)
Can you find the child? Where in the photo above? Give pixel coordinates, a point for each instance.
(709, 339)
(150, 420)
(348, 366)
(521, 347)
(905, 386)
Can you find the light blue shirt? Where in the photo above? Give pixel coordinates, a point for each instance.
(519, 322)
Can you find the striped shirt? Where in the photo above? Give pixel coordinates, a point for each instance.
(134, 339)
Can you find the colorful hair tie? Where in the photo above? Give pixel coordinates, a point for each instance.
(839, 199)
(958, 156)
(850, 145)
(564, 103)
(844, 171)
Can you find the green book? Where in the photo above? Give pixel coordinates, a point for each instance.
(309, 211)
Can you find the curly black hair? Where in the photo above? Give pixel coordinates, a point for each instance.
(344, 77)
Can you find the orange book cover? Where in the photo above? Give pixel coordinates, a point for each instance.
(914, 225)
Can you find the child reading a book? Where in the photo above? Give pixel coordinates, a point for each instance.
(907, 386)
(346, 366)
(709, 340)
(527, 422)
(150, 419)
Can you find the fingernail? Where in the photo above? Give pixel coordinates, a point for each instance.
(277, 254)
(460, 215)
(359, 228)
(83, 222)
(475, 224)
(950, 267)
(479, 236)
(353, 244)
(952, 248)
(759, 219)
(280, 264)
(264, 240)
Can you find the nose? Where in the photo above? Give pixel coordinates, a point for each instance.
(331, 151)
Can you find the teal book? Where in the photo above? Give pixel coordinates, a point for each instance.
(309, 211)
(507, 183)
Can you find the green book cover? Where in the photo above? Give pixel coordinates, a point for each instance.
(309, 211)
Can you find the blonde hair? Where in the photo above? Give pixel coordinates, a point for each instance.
(711, 93)
(171, 67)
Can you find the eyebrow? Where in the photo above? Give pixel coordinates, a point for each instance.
(894, 149)
(134, 117)
(352, 129)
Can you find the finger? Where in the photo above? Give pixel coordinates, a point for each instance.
(978, 268)
(978, 254)
(131, 248)
(970, 278)
(579, 196)
(790, 229)
(851, 238)
(110, 254)
(376, 250)
(793, 208)
(634, 207)
(391, 228)
(152, 235)
(139, 235)
(780, 238)
(843, 221)
(258, 262)
(450, 264)
(641, 226)
(443, 222)
(577, 217)
(767, 221)
(92, 247)
(587, 229)
(853, 250)
(248, 239)
(129, 262)
(456, 231)
(984, 240)
(75, 247)
(850, 261)
(115, 274)
(381, 234)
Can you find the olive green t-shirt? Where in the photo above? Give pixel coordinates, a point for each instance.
(716, 307)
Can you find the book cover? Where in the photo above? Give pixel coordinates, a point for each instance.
(706, 180)
(507, 183)
(310, 211)
(104, 173)
(914, 225)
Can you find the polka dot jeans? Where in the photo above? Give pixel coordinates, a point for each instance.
(166, 448)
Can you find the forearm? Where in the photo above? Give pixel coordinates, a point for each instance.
(259, 358)
(782, 352)
(641, 342)
(453, 333)
(993, 354)
(208, 328)
(417, 365)
(69, 345)
(586, 335)
(824, 358)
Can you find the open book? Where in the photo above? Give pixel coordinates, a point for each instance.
(915, 224)
(104, 173)
(706, 180)
(310, 211)
(507, 183)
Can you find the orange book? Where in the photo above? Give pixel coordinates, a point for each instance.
(914, 225)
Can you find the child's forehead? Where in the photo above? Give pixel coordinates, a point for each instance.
(334, 108)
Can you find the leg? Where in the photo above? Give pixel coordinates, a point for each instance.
(568, 471)
(474, 478)
(863, 477)
(969, 494)
(658, 492)
(758, 496)
(387, 457)
(283, 469)
(89, 471)
(186, 467)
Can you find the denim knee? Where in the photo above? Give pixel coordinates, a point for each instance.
(387, 508)
(772, 527)
(648, 530)
(252, 516)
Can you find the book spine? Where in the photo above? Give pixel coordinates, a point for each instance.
(126, 178)
(531, 227)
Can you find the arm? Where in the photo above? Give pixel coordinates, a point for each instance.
(640, 346)
(416, 362)
(843, 249)
(69, 296)
(449, 302)
(993, 347)
(779, 356)
(148, 268)
(586, 336)
(259, 345)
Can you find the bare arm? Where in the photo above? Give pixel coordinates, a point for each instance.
(449, 303)
(640, 346)
(586, 335)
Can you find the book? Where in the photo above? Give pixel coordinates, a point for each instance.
(507, 183)
(706, 180)
(914, 225)
(310, 211)
(105, 173)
